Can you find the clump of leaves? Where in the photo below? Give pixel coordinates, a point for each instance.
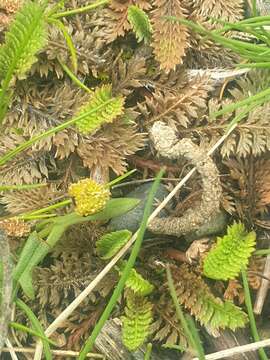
(230, 254)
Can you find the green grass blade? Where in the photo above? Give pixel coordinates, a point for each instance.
(74, 77)
(26, 329)
(251, 316)
(36, 326)
(148, 352)
(260, 98)
(81, 10)
(69, 42)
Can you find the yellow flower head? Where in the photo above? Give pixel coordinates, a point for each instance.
(90, 197)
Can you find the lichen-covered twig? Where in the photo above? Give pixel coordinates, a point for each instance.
(167, 144)
(6, 288)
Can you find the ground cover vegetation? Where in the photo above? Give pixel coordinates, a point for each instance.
(96, 99)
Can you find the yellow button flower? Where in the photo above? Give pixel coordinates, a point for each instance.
(90, 197)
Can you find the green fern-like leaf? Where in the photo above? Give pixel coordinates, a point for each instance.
(230, 254)
(140, 23)
(136, 322)
(136, 282)
(102, 96)
(109, 244)
(197, 297)
(27, 35)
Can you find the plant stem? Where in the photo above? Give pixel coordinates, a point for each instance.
(48, 208)
(148, 352)
(74, 77)
(21, 187)
(262, 96)
(82, 9)
(130, 263)
(262, 252)
(254, 8)
(252, 321)
(121, 177)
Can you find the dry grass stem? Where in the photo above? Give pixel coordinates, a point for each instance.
(11, 350)
(237, 350)
(54, 352)
(263, 290)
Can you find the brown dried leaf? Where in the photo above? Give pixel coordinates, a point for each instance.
(127, 75)
(110, 147)
(29, 200)
(170, 39)
(226, 10)
(177, 108)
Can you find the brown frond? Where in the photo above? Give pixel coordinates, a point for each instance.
(179, 106)
(39, 107)
(29, 200)
(170, 39)
(205, 54)
(90, 42)
(234, 292)
(235, 289)
(127, 75)
(255, 268)
(226, 10)
(110, 147)
(251, 137)
(249, 186)
(197, 297)
(27, 169)
(166, 328)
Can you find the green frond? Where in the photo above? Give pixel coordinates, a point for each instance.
(197, 297)
(136, 282)
(140, 23)
(136, 322)
(109, 244)
(27, 35)
(230, 254)
(102, 96)
(221, 315)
